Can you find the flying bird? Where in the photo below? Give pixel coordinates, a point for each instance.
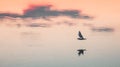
(80, 36)
(81, 51)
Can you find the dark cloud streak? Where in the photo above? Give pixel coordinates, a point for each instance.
(99, 29)
(102, 29)
(37, 25)
(13, 15)
(45, 12)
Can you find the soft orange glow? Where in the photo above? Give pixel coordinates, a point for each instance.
(91, 5)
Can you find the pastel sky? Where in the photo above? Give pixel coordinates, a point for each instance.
(43, 33)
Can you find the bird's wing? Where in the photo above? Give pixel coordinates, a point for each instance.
(80, 35)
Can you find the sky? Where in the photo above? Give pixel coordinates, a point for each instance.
(43, 33)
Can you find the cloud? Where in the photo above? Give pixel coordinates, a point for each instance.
(42, 16)
(69, 23)
(102, 29)
(99, 29)
(13, 15)
(45, 12)
(37, 25)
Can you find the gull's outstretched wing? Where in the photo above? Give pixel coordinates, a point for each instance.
(80, 35)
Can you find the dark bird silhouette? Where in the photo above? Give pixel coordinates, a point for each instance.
(80, 36)
(81, 51)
